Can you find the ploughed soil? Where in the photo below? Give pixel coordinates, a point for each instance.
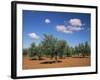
(60, 63)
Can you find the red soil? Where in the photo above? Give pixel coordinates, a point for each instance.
(67, 62)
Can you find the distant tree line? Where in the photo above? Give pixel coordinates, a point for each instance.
(53, 48)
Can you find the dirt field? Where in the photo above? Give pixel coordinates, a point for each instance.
(47, 63)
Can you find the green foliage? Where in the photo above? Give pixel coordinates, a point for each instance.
(66, 51)
(25, 52)
(53, 48)
(83, 49)
(32, 50)
(35, 51)
(60, 46)
(48, 44)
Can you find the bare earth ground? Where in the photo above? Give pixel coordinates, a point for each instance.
(67, 62)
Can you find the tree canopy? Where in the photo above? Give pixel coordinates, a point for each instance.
(51, 47)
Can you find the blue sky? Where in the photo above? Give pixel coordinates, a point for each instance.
(71, 27)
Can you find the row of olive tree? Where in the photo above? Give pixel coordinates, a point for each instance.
(83, 49)
(51, 47)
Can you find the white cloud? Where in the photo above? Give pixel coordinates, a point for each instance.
(33, 35)
(47, 21)
(62, 28)
(68, 29)
(71, 28)
(75, 22)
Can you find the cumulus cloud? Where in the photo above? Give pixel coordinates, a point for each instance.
(73, 25)
(47, 20)
(71, 28)
(62, 28)
(33, 35)
(68, 29)
(75, 22)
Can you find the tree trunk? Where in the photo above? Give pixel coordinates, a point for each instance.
(56, 56)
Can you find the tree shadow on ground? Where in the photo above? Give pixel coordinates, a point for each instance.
(50, 62)
(37, 59)
(81, 57)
